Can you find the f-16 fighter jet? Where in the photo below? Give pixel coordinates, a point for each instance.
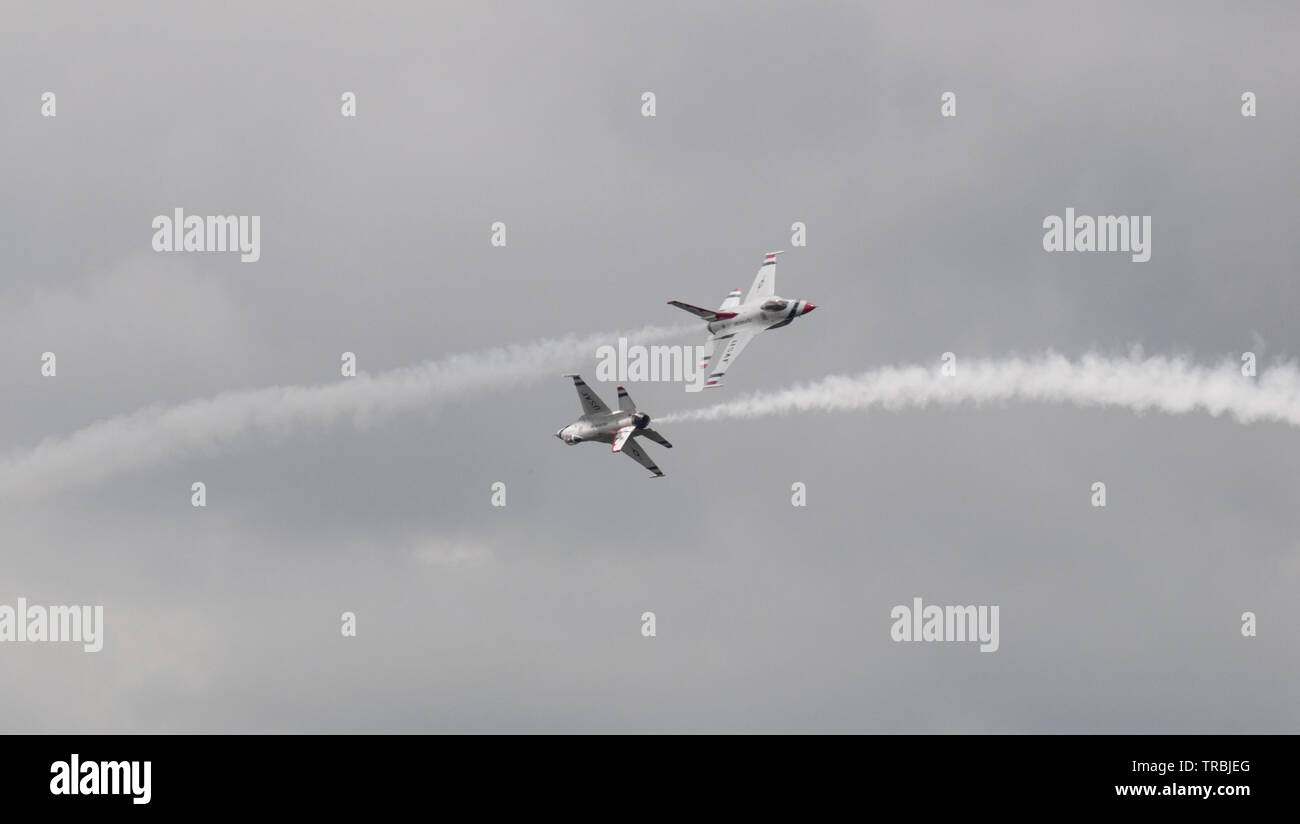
(619, 428)
(736, 322)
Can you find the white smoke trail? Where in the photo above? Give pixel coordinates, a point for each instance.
(159, 434)
(1170, 385)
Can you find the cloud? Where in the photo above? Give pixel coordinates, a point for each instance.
(450, 554)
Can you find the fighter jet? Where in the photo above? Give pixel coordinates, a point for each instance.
(736, 322)
(619, 428)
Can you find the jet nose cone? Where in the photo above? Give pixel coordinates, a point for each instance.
(808, 306)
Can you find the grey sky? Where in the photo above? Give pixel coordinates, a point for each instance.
(923, 236)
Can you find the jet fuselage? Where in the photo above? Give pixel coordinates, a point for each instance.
(769, 313)
(601, 426)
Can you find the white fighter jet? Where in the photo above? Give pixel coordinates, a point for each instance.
(619, 428)
(736, 322)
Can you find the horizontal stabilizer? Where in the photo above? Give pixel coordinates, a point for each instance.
(656, 437)
(706, 314)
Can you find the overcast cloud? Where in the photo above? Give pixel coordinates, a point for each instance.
(924, 236)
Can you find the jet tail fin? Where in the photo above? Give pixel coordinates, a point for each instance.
(625, 401)
(706, 314)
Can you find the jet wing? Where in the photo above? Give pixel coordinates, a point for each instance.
(725, 350)
(765, 281)
(633, 451)
(621, 438)
(705, 355)
(588, 400)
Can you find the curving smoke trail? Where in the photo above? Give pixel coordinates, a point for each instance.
(1162, 384)
(159, 434)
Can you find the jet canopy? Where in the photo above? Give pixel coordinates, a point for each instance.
(776, 305)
